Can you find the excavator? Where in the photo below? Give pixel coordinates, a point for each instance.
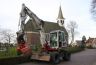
(52, 51)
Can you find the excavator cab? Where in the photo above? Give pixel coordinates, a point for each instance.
(57, 39)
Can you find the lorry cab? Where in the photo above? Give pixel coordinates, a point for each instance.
(57, 39)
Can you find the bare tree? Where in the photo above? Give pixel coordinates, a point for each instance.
(7, 36)
(93, 9)
(72, 30)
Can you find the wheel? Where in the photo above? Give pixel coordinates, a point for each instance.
(67, 56)
(55, 58)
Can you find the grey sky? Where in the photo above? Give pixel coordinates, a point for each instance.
(76, 10)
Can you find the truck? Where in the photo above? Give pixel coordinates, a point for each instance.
(53, 51)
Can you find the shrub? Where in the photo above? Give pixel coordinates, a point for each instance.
(89, 47)
(74, 49)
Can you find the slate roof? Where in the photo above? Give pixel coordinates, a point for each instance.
(48, 26)
(78, 42)
(30, 27)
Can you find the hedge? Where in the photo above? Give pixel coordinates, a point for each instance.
(74, 49)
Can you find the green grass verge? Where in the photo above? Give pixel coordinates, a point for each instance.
(10, 52)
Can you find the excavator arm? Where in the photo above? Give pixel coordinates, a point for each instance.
(27, 12)
(38, 23)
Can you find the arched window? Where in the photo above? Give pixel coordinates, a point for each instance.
(62, 22)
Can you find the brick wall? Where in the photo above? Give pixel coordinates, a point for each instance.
(33, 38)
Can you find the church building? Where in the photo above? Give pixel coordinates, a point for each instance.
(32, 34)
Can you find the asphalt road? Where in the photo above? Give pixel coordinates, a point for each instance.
(87, 57)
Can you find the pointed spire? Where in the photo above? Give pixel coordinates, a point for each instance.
(60, 15)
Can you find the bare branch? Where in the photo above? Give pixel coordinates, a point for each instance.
(7, 36)
(93, 9)
(72, 26)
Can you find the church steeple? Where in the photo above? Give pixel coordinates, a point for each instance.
(60, 15)
(60, 18)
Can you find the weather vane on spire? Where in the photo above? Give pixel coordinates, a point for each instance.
(60, 2)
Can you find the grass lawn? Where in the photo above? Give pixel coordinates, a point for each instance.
(10, 52)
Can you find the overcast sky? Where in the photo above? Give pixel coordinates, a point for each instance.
(75, 10)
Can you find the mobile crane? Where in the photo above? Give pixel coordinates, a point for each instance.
(53, 51)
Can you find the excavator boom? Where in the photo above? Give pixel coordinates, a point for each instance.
(38, 23)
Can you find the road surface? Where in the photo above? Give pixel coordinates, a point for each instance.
(87, 57)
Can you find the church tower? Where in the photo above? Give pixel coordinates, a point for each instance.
(60, 18)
